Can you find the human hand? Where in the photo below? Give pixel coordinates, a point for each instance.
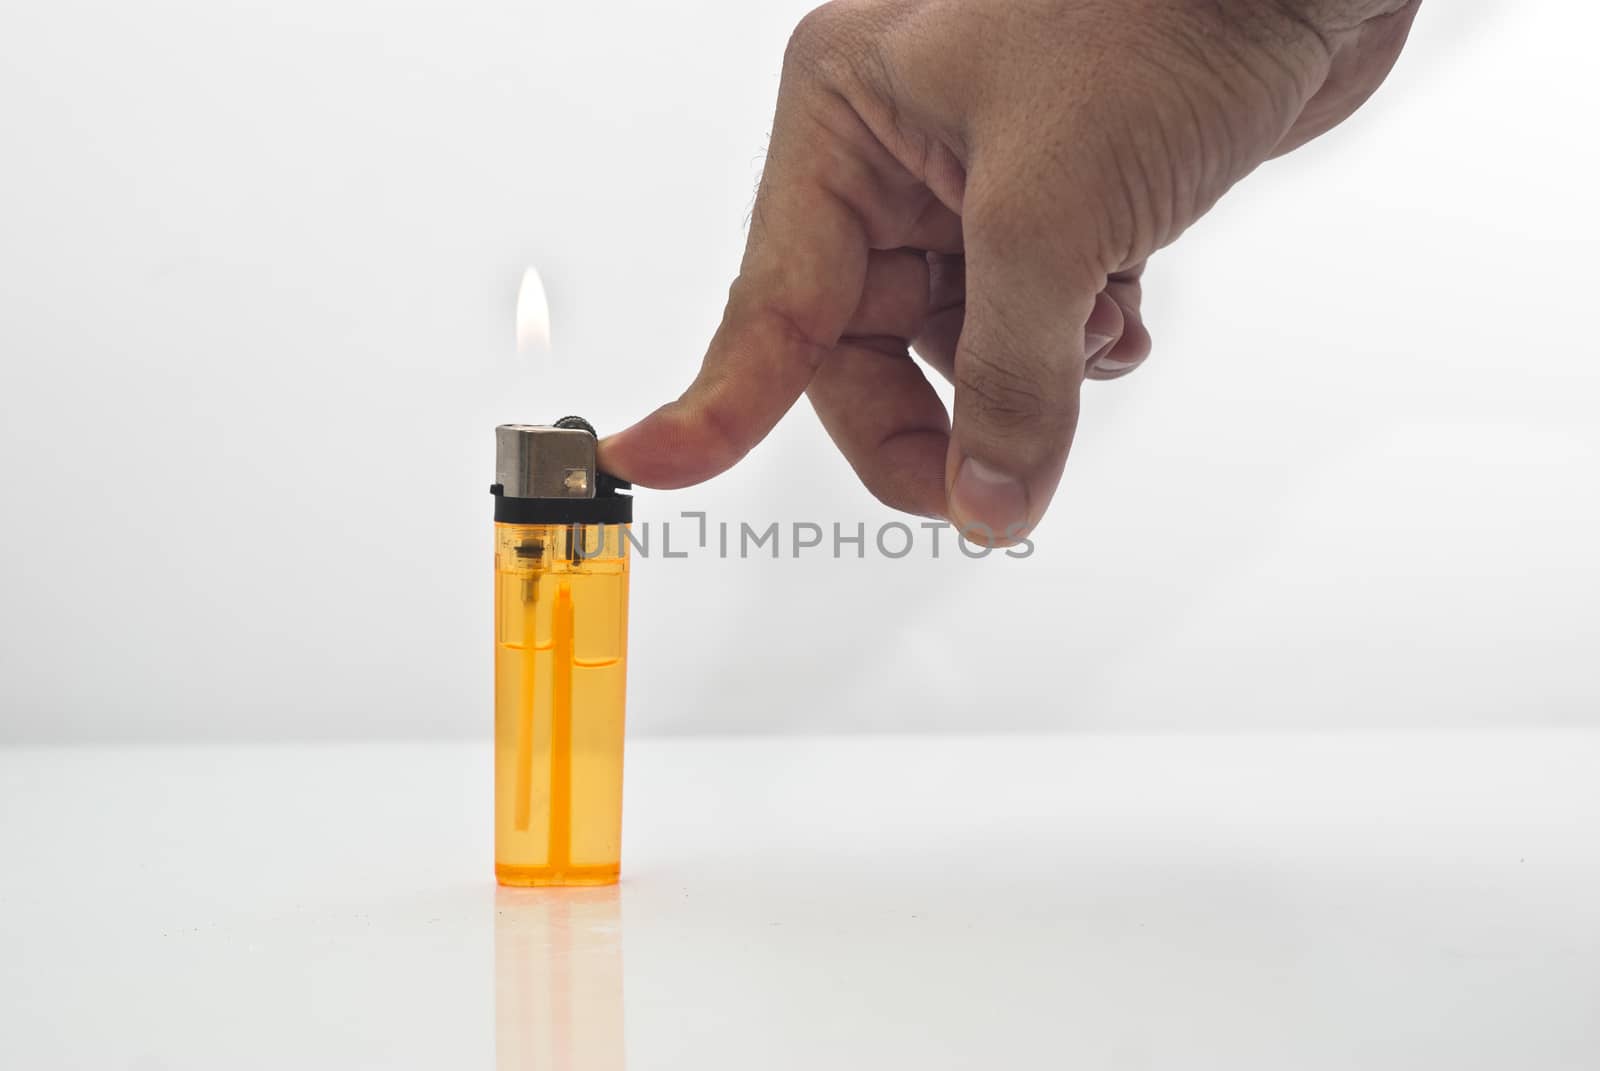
(983, 180)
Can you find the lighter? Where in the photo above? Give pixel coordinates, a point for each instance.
(560, 656)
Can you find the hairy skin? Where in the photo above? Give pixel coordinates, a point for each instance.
(983, 181)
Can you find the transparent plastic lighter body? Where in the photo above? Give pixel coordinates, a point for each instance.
(560, 671)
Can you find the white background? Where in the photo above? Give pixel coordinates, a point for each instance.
(257, 268)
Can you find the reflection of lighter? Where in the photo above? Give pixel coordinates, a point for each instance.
(558, 980)
(560, 657)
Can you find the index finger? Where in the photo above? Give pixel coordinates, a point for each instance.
(804, 266)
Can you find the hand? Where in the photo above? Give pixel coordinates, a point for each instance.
(983, 180)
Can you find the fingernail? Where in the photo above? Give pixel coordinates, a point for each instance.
(1097, 345)
(986, 498)
(1106, 366)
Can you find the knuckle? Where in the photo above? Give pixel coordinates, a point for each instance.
(815, 36)
(999, 399)
(725, 436)
(833, 40)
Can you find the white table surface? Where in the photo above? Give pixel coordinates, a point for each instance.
(1242, 902)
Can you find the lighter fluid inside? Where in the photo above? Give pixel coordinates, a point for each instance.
(560, 656)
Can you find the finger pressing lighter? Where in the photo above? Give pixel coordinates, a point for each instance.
(560, 656)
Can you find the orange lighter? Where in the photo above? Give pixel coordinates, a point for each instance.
(560, 656)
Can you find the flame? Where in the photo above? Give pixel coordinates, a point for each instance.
(533, 314)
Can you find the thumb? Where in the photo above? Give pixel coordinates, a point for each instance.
(1032, 281)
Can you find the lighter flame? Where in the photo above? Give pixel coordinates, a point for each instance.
(533, 315)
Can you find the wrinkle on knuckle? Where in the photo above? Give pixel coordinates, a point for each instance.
(792, 322)
(998, 397)
(800, 334)
(723, 430)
